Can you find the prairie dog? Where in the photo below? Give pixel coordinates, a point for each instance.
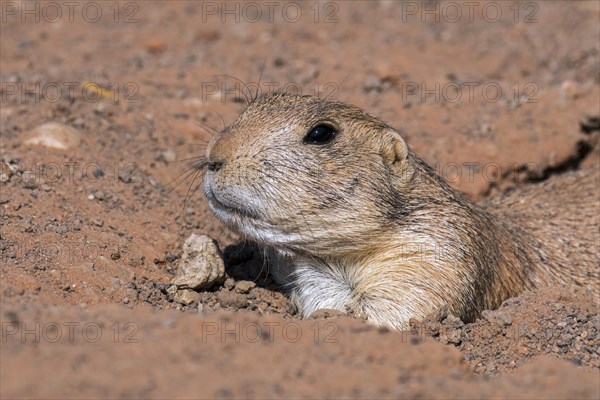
(359, 222)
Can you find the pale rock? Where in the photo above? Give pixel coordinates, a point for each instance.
(54, 135)
(201, 264)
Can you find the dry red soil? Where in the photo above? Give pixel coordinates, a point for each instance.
(501, 95)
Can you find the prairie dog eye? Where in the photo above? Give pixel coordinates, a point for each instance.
(320, 134)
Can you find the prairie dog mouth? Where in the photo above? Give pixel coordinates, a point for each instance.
(226, 210)
(250, 223)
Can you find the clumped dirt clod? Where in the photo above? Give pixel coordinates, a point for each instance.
(556, 321)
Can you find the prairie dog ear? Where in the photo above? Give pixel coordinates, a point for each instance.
(394, 148)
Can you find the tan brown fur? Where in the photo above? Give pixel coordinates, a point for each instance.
(362, 223)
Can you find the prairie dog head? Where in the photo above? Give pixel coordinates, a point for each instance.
(306, 175)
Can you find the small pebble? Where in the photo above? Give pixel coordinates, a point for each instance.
(244, 286)
(187, 297)
(99, 195)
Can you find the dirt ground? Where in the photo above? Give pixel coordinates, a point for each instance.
(494, 95)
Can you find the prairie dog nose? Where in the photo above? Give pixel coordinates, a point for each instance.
(216, 153)
(215, 166)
